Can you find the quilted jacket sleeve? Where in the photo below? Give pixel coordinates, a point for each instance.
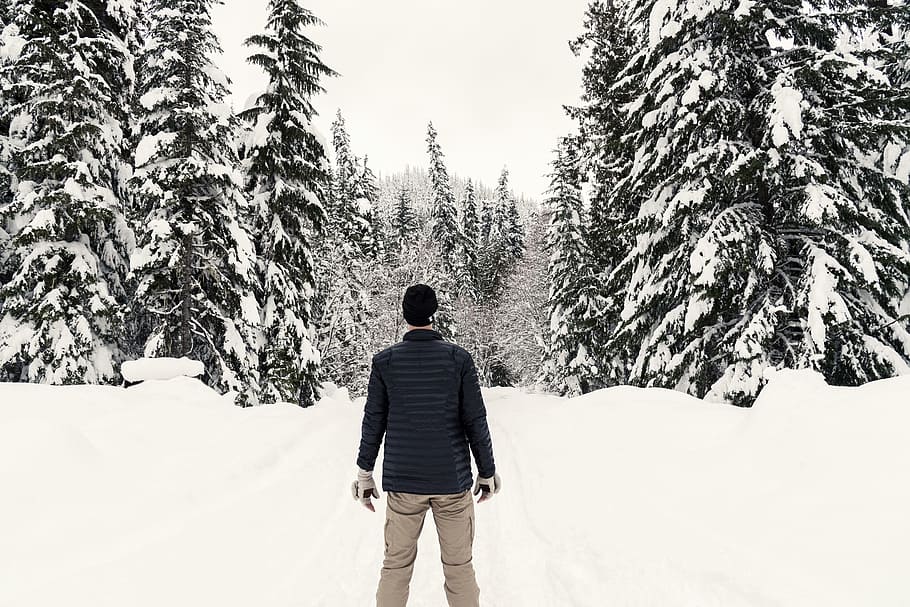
(375, 418)
(474, 420)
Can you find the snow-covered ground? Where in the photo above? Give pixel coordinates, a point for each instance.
(165, 494)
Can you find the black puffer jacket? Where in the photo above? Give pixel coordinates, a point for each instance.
(424, 397)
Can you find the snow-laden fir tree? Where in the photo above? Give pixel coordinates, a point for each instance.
(832, 123)
(368, 182)
(506, 224)
(571, 368)
(10, 47)
(350, 247)
(11, 44)
(287, 178)
(699, 254)
(444, 215)
(404, 226)
(501, 239)
(369, 189)
(469, 241)
(766, 234)
(351, 211)
(446, 235)
(491, 254)
(607, 45)
(195, 264)
(66, 74)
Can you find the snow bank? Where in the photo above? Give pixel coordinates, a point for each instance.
(167, 494)
(145, 369)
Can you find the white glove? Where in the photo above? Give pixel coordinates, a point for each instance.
(364, 488)
(488, 486)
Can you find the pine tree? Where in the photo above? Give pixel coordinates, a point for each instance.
(608, 45)
(469, 241)
(351, 213)
(404, 223)
(11, 45)
(839, 213)
(513, 232)
(470, 220)
(605, 159)
(66, 79)
(571, 368)
(287, 178)
(485, 218)
(368, 189)
(501, 240)
(195, 265)
(368, 182)
(753, 247)
(350, 248)
(491, 254)
(443, 214)
(505, 222)
(701, 257)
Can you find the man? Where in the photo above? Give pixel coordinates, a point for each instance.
(425, 398)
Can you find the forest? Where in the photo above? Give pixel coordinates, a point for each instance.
(733, 200)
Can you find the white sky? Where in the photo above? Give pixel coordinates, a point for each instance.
(492, 75)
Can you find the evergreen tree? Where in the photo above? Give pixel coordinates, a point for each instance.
(404, 223)
(352, 212)
(369, 185)
(470, 220)
(502, 240)
(287, 178)
(605, 159)
(760, 238)
(469, 241)
(368, 189)
(350, 248)
(839, 214)
(491, 255)
(571, 367)
(485, 216)
(513, 232)
(608, 45)
(701, 256)
(505, 222)
(11, 45)
(66, 78)
(195, 265)
(443, 214)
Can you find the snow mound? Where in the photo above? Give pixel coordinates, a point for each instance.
(146, 369)
(28, 444)
(166, 494)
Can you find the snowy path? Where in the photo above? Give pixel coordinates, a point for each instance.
(165, 495)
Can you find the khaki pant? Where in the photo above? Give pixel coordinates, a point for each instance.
(454, 517)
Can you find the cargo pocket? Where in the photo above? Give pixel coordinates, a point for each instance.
(385, 533)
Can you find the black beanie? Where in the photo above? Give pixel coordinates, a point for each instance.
(418, 305)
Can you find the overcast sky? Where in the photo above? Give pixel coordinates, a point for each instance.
(492, 75)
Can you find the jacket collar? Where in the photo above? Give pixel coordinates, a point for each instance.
(421, 335)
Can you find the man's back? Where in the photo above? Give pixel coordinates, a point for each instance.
(424, 396)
